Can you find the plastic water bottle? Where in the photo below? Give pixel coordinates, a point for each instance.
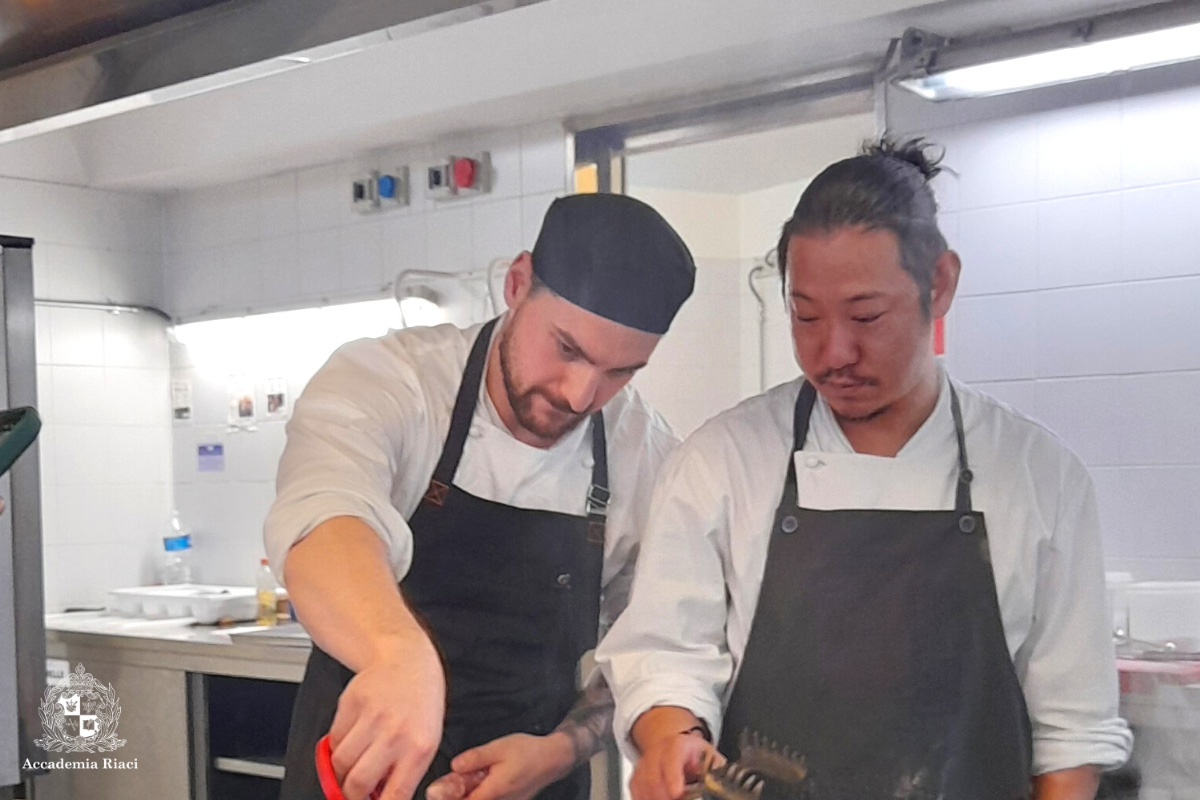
(267, 598)
(177, 560)
(176, 564)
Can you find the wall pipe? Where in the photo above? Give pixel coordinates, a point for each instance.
(765, 267)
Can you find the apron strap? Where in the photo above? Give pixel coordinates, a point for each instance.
(460, 425)
(803, 413)
(962, 497)
(598, 493)
(460, 419)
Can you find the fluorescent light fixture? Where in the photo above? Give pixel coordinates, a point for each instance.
(283, 341)
(1139, 51)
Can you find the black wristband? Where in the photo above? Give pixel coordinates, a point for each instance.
(700, 728)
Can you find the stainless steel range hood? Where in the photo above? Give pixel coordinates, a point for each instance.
(32, 30)
(63, 62)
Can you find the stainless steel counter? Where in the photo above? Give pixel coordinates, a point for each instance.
(176, 644)
(159, 670)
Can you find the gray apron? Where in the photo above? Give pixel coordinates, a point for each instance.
(877, 652)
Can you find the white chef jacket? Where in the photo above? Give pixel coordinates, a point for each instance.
(368, 430)
(698, 577)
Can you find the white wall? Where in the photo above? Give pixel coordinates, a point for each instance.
(102, 386)
(1079, 227)
(763, 213)
(711, 358)
(697, 369)
(291, 240)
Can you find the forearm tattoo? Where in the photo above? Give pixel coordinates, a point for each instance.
(589, 722)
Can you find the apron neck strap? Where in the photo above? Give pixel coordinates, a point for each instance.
(464, 406)
(800, 418)
(962, 495)
(598, 494)
(800, 422)
(460, 426)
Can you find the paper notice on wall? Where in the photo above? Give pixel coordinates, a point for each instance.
(277, 405)
(181, 399)
(241, 402)
(210, 457)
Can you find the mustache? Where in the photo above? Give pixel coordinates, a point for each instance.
(559, 404)
(845, 374)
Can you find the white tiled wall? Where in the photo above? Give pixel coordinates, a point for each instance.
(224, 510)
(102, 386)
(1079, 228)
(696, 369)
(292, 240)
(711, 358)
(106, 470)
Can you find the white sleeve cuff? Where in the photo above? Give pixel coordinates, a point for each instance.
(1107, 747)
(290, 521)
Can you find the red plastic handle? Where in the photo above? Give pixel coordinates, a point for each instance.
(327, 777)
(325, 774)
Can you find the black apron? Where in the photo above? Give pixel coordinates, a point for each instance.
(511, 597)
(877, 652)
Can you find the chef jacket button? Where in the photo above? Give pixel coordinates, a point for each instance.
(789, 524)
(589, 462)
(812, 462)
(476, 431)
(564, 580)
(966, 523)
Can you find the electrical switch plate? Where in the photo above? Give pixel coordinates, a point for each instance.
(364, 194)
(393, 188)
(460, 176)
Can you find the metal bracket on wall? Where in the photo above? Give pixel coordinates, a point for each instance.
(112, 308)
(913, 54)
(602, 141)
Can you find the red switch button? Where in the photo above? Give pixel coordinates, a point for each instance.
(464, 173)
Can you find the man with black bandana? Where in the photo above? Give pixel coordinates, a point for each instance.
(457, 515)
(881, 570)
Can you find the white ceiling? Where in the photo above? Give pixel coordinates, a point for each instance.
(547, 61)
(753, 161)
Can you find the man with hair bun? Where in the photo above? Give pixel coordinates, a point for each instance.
(887, 573)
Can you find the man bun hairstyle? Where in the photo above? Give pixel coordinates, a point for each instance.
(885, 187)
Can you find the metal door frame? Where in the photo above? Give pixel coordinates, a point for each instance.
(23, 634)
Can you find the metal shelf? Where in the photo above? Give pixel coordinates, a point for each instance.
(257, 767)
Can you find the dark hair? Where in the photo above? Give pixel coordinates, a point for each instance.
(885, 187)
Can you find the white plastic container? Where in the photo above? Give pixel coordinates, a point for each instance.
(207, 604)
(1162, 611)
